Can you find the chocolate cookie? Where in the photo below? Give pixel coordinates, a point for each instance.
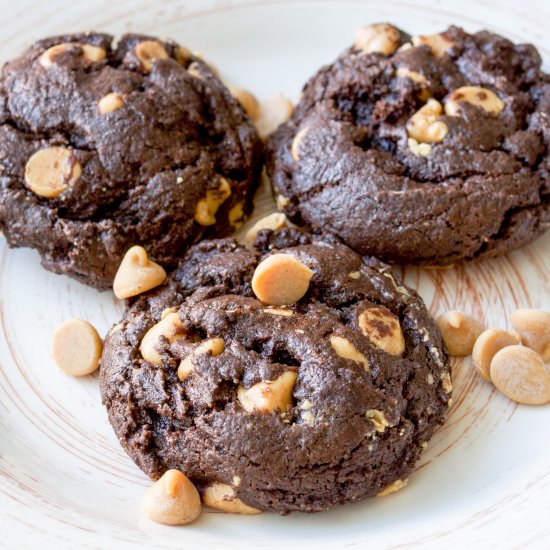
(430, 149)
(103, 147)
(302, 406)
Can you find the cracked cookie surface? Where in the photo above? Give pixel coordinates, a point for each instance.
(103, 147)
(427, 150)
(300, 407)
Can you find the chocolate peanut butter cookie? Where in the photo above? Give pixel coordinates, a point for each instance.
(430, 149)
(323, 393)
(103, 147)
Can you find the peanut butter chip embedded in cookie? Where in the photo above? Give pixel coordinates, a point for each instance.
(281, 280)
(438, 44)
(247, 100)
(268, 396)
(533, 326)
(488, 343)
(383, 329)
(520, 374)
(205, 211)
(137, 274)
(170, 328)
(424, 127)
(109, 103)
(273, 221)
(76, 347)
(474, 95)
(393, 487)
(379, 38)
(172, 500)
(214, 346)
(51, 171)
(344, 348)
(222, 497)
(148, 51)
(298, 138)
(89, 53)
(459, 332)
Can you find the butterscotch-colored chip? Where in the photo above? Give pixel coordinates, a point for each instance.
(298, 138)
(214, 346)
(438, 44)
(222, 497)
(109, 103)
(249, 103)
(378, 38)
(393, 487)
(383, 329)
(170, 328)
(474, 95)
(236, 215)
(378, 418)
(149, 51)
(344, 348)
(520, 374)
(172, 500)
(419, 149)
(51, 171)
(137, 274)
(273, 112)
(281, 280)
(89, 53)
(424, 125)
(76, 347)
(273, 221)
(205, 211)
(415, 76)
(488, 343)
(268, 396)
(459, 332)
(534, 327)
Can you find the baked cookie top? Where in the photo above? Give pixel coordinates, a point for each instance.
(303, 406)
(428, 149)
(105, 146)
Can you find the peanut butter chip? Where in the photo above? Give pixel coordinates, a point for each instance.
(481, 97)
(273, 112)
(424, 125)
(281, 280)
(438, 44)
(137, 274)
(148, 51)
(169, 327)
(488, 343)
(89, 53)
(236, 215)
(273, 221)
(214, 346)
(51, 171)
(519, 373)
(344, 348)
(222, 497)
(109, 103)
(534, 327)
(76, 347)
(247, 100)
(393, 487)
(383, 329)
(205, 211)
(298, 138)
(268, 396)
(172, 500)
(378, 419)
(378, 38)
(459, 332)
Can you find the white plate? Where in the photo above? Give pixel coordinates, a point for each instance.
(485, 479)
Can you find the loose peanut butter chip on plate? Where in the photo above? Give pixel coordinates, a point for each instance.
(148, 51)
(281, 280)
(76, 347)
(222, 497)
(109, 103)
(520, 374)
(533, 326)
(89, 53)
(383, 329)
(169, 327)
(268, 396)
(488, 343)
(273, 221)
(247, 100)
(51, 171)
(459, 332)
(172, 500)
(137, 274)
